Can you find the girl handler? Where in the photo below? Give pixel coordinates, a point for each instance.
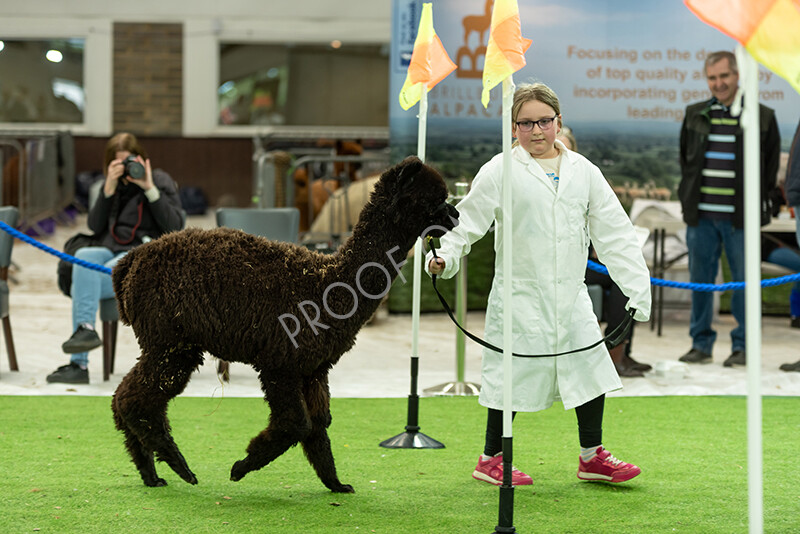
(561, 201)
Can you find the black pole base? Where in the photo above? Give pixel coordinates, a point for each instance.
(411, 440)
(506, 511)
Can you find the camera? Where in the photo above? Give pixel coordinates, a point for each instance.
(133, 168)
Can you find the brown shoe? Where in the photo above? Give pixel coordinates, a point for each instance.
(633, 364)
(628, 372)
(618, 357)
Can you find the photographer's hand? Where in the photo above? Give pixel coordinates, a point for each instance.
(113, 173)
(146, 183)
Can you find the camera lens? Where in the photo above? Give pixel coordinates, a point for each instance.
(133, 168)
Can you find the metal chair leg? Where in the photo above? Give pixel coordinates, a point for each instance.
(114, 325)
(108, 348)
(12, 354)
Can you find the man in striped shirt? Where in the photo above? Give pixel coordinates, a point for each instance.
(712, 197)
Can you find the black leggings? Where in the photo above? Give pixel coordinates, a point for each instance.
(590, 426)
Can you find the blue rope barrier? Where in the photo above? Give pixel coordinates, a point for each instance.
(705, 287)
(591, 264)
(61, 255)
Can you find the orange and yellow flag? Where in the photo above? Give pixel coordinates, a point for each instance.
(430, 63)
(505, 53)
(768, 29)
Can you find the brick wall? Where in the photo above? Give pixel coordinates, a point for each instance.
(148, 79)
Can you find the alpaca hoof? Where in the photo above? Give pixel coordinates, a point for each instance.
(238, 471)
(155, 483)
(343, 488)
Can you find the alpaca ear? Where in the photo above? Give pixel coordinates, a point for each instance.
(410, 169)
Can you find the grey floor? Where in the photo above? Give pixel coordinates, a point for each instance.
(379, 364)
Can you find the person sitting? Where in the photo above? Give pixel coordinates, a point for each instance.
(613, 301)
(792, 190)
(136, 204)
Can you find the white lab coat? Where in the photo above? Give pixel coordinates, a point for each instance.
(552, 311)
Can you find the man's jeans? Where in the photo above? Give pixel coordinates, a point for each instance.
(88, 287)
(705, 242)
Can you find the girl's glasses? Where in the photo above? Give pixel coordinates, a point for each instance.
(544, 124)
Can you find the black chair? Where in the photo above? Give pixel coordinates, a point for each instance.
(10, 216)
(277, 224)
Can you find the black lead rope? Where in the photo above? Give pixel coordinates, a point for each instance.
(613, 339)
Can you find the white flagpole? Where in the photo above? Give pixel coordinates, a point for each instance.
(749, 121)
(412, 438)
(418, 257)
(508, 97)
(505, 514)
(506, 504)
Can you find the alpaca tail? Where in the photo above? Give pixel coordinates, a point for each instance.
(118, 278)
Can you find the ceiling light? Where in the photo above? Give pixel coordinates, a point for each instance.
(54, 56)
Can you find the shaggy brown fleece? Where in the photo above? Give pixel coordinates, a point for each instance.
(286, 310)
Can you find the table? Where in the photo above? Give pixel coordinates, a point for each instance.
(660, 227)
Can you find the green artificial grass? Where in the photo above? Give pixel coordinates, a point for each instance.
(65, 469)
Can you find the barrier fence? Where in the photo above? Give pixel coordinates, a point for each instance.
(37, 174)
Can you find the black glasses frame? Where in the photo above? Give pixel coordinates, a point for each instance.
(527, 126)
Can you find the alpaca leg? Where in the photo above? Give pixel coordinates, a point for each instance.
(288, 424)
(317, 445)
(140, 405)
(142, 458)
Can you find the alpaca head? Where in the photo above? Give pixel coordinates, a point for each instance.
(413, 196)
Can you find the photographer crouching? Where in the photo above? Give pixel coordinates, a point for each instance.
(134, 205)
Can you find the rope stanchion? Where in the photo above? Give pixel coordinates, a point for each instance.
(769, 282)
(61, 255)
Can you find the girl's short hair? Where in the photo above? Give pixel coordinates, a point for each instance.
(122, 142)
(534, 91)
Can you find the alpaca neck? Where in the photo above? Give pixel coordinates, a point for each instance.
(370, 259)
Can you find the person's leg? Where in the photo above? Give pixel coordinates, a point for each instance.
(88, 288)
(590, 423)
(704, 246)
(733, 241)
(794, 296)
(789, 258)
(596, 463)
(614, 307)
(490, 463)
(493, 443)
(797, 223)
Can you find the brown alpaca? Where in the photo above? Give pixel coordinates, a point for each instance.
(286, 310)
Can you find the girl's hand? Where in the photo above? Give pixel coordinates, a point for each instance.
(436, 265)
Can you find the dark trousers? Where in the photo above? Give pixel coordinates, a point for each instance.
(590, 426)
(614, 302)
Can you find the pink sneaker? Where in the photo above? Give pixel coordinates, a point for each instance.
(604, 467)
(491, 471)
